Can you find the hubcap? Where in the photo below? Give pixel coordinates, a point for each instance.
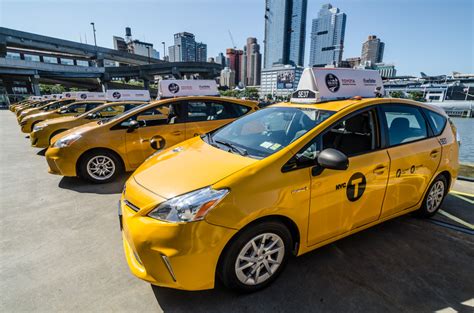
(101, 167)
(435, 196)
(259, 259)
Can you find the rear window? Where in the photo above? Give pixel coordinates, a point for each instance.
(437, 121)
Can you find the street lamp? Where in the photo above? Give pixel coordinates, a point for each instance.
(93, 29)
(164, 49)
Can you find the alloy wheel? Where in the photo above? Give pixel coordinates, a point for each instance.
(100, 167)
(435, 196)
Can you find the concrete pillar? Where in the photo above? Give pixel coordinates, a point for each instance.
(146, 83)
(35, 85)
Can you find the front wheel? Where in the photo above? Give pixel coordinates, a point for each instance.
(100, 167)
(434, 197)
(256, 257)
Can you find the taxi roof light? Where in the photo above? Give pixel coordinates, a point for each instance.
(330, 84)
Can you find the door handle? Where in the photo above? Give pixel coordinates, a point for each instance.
(379, 170)
(145, 140)
(176, 133)
(434, 154)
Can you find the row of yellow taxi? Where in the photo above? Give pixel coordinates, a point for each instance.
(224, 190)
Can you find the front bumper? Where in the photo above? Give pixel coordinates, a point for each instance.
(62, 161)
(39, 139)
(175, 255)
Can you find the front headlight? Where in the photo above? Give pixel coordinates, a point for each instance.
(39, 127)
(189, 207)
(66, 141)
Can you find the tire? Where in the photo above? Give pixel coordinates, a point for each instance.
(275, 235)
(434, 197)
(108, 166)
(55, 133)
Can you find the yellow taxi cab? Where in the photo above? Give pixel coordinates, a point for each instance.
(30, 105)
(73, 108)
(43, 132)
(24, 102)
(236, 203)
(100, 151)
(44, 109)
(41, 102)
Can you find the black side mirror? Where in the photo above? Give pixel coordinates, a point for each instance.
(132, 125)
(333, 159)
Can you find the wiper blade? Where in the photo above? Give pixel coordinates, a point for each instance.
(234, 148)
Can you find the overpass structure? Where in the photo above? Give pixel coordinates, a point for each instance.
(28, 59)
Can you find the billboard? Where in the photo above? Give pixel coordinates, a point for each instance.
(127, 95)
(286, 79)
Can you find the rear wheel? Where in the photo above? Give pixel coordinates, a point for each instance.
(434, 197)
(100, 166)
(256, 257)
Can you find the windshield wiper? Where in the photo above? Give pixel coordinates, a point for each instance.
(234, 148)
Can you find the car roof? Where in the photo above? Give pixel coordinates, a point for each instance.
(228, 99)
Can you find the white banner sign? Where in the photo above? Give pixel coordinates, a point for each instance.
(180, 88)
(127, 95)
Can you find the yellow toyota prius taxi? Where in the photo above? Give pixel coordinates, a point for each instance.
(100, 151)
(43, 132)
(236, 203)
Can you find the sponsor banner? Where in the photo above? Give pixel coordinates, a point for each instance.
(35, 98)
(127, 95)
(170, 88)
(286, 79)
(69, 94)
(81, 96)
(338, 83)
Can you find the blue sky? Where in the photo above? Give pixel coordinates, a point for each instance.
(433, 36)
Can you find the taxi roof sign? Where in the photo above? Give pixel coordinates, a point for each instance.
(86, 95)
(323, 84)
(127, 95)
(171, 88)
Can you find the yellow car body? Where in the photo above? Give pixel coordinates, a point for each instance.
(288, 187)
(73, 108)
(33, 104)
(47, 107)
(43, 132)
(159, 124)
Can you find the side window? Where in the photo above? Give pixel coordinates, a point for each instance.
(225, 110)
(169, 113)
(405, 124)
(91, 106)
(76, 108)
(437, 121)
(354, 135)
(198, 111)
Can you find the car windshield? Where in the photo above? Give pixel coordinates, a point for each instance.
(117, 117)
(266, 131)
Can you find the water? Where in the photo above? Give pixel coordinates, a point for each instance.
(465, 127)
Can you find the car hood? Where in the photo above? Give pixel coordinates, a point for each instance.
(188, 166)
(57, 120)
(76, 130)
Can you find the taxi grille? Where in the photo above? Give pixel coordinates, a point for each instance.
(131, 206)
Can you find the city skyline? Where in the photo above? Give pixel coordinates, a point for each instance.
(415, 44)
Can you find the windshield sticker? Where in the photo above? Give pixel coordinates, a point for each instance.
(266, 144)
(275, 146)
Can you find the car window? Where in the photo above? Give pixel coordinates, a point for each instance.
(199, 111)
(437, 121)
(353, 136)
(268, 130)
(169, 113)
(405, 124)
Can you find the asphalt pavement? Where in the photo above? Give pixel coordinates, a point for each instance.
(61, 251)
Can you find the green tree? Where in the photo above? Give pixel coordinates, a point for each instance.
(397, 94)
(416, 95)
(51, 89)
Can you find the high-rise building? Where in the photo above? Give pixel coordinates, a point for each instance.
(227, 78)
(372, 51)
(327, 37)
(386, 70)
(285, 32)
(251, 63)
(280, 81)
(220, 59)
(234, 57)
(186, 49)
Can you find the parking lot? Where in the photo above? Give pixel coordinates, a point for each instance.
(61, 250)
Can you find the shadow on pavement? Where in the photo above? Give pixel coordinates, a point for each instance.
(402, 265)
(83, 186)
(42, 152)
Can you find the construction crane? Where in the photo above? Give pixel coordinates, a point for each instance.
(232, 39)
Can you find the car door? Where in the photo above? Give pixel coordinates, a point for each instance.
(204, 116)
(164, 125)
(344, 200)
(414, 153)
